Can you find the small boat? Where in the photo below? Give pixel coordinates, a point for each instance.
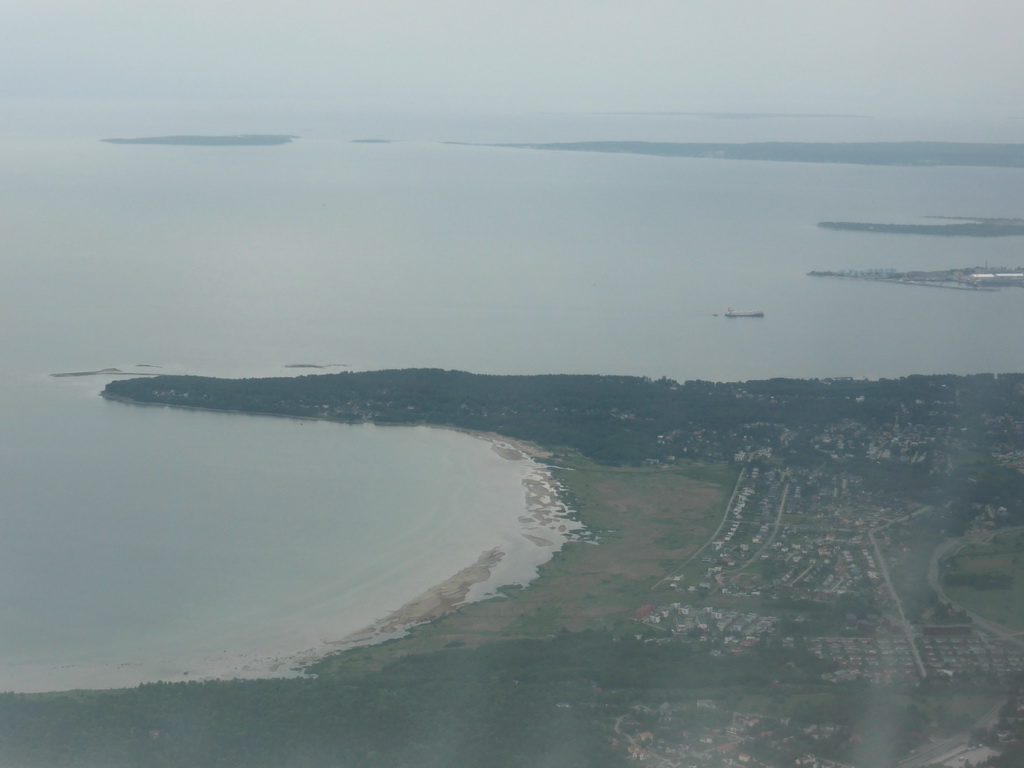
(741, 313)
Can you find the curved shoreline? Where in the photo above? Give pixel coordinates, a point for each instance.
(545, 513)
(529, 449)
(433, 604)
(543, 522)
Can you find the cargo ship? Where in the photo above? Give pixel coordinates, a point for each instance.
(739, 313)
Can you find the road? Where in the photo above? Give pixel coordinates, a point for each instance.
(720, 578)
(883, 565)
(956, 745)
(948, 749)
(715, 535)
(952, 547)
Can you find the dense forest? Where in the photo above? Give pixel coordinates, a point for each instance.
(920, 153)
(612, 419)
(513, 703)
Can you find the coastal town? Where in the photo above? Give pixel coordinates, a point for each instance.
(797, 538)
(837, 554)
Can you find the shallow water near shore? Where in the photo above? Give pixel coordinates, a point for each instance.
(144, 543)
(178, 544)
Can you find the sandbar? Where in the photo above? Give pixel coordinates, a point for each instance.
(545, 514)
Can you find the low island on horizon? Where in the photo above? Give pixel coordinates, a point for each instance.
(236, 140)
(964, 226)
(900, 153)
(979, 278)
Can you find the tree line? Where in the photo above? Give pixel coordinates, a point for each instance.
(612, 419)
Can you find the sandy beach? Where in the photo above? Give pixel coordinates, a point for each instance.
(432, 604)
(544, 524)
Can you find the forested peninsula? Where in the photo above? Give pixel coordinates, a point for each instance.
(912, 153)
(964, 227)
(612, 419)
(779, 572)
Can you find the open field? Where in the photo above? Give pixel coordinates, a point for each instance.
(1001, 557)
(646, 522)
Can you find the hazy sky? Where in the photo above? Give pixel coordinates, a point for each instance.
(898, 57)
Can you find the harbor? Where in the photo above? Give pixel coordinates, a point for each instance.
(962, 279)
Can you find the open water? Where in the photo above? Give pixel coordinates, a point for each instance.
(138, 543)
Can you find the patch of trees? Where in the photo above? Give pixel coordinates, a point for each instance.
(981, 581)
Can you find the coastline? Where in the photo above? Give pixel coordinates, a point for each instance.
(540, 528)
(544, 523)
(510, 444)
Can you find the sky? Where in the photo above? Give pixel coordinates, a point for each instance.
(878, 57)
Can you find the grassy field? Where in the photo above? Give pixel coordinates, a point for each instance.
(1002, 555)
(647, 521)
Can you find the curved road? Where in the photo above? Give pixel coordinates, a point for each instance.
(718, 530)
(952, 547)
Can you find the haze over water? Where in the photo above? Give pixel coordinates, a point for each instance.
(155, 538)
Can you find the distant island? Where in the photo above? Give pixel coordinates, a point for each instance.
(963, 278)
(238, 140)
(966, 227)
(107, 372)
(910, 153)
(736, 115)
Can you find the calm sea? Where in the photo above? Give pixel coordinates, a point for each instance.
(139, 543)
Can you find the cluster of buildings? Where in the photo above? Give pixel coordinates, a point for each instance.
(994, 279)
(810, 555)
(880, 659)
(794, 536)
(902, 442)
(701, 734)
(946, 651)
(960, 650)
(718, 628)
